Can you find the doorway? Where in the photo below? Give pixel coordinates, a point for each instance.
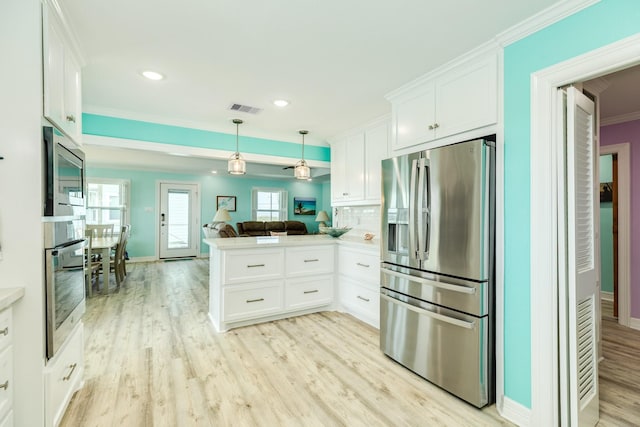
(547, 221)
(178, 222)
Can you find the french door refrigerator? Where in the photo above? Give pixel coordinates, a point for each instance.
(437, 274)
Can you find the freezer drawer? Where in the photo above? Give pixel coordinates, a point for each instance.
(448, 348)
(459, 294)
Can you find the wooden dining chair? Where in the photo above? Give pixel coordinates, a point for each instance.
(100, 230)
(92, 267)
(117, 264)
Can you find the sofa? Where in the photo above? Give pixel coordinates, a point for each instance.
(265, 228)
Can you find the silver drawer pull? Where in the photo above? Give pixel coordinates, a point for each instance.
(311, 260)
(362, 265)
(5, 386)
(255, 265)
(73, 368)
(255, 300)
(363, 298)
(5, 331)
(71, 118)
(448, 286)
(437, 316)
(311, 292)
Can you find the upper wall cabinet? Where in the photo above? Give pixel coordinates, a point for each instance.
(356, 165)
(62, 78)
(449, 102)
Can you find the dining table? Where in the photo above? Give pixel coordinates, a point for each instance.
(103, 246)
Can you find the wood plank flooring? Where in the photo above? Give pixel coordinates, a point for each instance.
(152, 359)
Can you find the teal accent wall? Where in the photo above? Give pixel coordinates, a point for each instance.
(603, 23)
(93, 124)
(144, 195)
(606, 228)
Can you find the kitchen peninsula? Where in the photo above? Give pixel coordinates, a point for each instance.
(257, 279)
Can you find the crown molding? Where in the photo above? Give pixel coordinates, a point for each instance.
(622, 118)
(535, 23)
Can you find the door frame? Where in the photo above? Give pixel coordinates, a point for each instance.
(197, 213)
(544, 209)
(623, 179)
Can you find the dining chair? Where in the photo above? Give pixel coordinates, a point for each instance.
(117, 264)
(92, 267)
(100, 230)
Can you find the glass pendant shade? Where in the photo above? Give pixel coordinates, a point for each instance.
(302, 169)
(236, 164)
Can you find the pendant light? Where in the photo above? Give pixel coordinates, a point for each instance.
(302, 170)
(236, 164)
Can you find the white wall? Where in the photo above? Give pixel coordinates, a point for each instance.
(20, 198)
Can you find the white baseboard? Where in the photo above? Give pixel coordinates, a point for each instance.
(634, 323)
(607, 296)
(143, 259)
(515, 412)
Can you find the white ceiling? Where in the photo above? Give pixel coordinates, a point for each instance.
(333, 59)
(620, 95)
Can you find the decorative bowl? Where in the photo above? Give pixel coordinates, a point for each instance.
(333, 232)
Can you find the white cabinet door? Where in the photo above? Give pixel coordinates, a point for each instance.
(467, 99)
(62, 79)
(414, 118)
(338, 163)
(354, 167)
(376, 148)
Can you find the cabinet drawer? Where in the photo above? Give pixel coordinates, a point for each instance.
(251, 266)
(361, 301)
(309, 260)
(361, 265)
(63, 376)
(250, 301)
(309, 292)
(6, 381)
(6, 328)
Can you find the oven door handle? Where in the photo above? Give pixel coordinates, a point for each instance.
(436, 316)
(448, 286)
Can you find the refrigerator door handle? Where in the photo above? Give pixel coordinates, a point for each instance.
(413, 245)
(424, 206)
(437, 316)
(448, 286)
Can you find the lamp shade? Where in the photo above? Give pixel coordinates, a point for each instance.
(322, 216)
(222, 215)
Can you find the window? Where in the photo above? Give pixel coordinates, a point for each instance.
(269, 204)
(108, 202)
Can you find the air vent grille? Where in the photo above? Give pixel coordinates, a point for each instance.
(586, 351)
(245, 109)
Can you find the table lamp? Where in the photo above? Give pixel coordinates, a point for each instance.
(322, 218)
(221, 216)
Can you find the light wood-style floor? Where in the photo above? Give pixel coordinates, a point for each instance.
(152, 359)
(619, 372)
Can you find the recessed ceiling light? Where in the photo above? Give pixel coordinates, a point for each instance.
(214, 172)
(178, 154)
(152, 75)
(280, 102)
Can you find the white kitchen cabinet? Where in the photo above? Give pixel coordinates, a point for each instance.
(62, 78)
(359, 283)
(256, 284)
(458, 100)
(63, 376)
(355, 165)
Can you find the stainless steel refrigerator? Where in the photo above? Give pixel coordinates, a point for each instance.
(437, 276)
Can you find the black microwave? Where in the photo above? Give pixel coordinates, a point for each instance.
(64, 175)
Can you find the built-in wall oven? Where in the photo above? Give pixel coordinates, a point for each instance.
(64, 285)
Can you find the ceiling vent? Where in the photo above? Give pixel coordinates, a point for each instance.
(245, 109)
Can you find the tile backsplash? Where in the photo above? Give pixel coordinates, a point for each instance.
(362, 219)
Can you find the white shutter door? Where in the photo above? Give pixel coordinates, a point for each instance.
(582, 292)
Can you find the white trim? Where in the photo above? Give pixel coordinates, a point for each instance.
(549, 16)
(516, 413)
(143, 259)
(133, 144)
(634, 323)
(622, 118)
(624, 228)
(195, 233)
(544, 259)
(606, 295)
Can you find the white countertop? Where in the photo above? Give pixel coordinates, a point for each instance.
(10, 295)
(284, 241)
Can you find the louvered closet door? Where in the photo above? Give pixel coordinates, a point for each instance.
(581, 254)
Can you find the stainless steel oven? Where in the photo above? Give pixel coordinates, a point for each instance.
(64, 282)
